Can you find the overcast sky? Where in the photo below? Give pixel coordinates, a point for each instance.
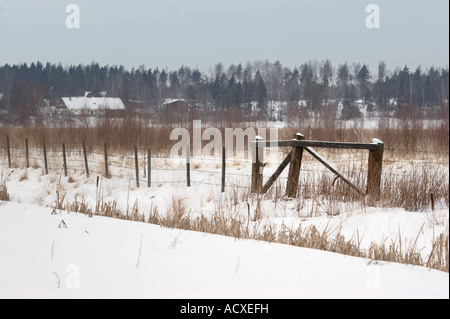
(201, 33)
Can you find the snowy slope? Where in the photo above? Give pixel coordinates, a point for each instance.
(364, 224)
(102, 257)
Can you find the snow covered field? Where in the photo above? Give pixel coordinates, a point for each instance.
(100, 257)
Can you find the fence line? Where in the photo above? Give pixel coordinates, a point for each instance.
(52, 159)
(57, 159)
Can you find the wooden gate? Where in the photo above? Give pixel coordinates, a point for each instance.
(294, 160)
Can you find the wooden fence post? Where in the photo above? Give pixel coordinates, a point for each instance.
(26, 152)
(64, 158)
(223, 169)
(257, 167)
(374, 171)
(294, 168)
(9, 151)
(45, 155)
(149, 168)
(188, 165)
(105, 148)
(85, 158)
(136, 165)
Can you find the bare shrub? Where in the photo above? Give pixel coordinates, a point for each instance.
(439, 256)
(4, 192)
(416, 190)
(3, 188)
(177, 214)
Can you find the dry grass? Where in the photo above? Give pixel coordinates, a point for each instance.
(4, 192)
(3, 188)
(420, 189)
(79, 207)
(24, 175)
(439, 257)
(118, 136)
(177, 214)
(409, 135)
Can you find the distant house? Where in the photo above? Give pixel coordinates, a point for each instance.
(176, 110)
(175, 104)
(91, 105)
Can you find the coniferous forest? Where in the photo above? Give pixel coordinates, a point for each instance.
(26, 88)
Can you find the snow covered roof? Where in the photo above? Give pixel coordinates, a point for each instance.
(93, 103)
(170, 101)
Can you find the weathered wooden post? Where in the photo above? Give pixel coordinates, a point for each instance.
(85, 158)
(45, 155)
(136, 165)
(9, 151)
(257, 166)
(26, 152)
(105, 149)
(64, 158)
(188, 165)
(223, 170)
(149, 168)
(294, 168)
(374, 171)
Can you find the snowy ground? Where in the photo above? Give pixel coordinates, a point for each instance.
(102, 257)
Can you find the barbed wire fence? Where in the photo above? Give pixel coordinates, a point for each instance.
(134, 165)
(147, 170)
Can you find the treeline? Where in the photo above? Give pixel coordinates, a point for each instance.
(27, 88)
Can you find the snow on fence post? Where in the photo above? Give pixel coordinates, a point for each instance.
(64, 158)
(26, 152)
(45, 155)
(374, 171)
(105, 148)
(294, 168)
(149, 168)
(85, 157)
(136, 165)
(188, 166)
(257, 166)
(9, 151)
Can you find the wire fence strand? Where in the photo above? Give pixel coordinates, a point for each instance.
(119, 165)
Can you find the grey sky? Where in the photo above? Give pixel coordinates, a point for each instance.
(201, 33)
